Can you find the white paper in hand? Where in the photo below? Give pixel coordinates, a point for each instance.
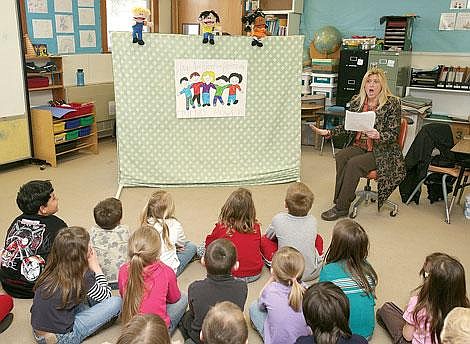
(359, 121)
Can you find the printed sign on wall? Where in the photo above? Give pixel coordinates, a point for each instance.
(210, 88)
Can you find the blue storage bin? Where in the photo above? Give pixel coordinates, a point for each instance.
(84, 131)
(73, 123)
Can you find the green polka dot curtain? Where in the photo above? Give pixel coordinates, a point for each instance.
(157, 149)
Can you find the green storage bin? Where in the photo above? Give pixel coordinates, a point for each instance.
(84, 121)
(71, 135)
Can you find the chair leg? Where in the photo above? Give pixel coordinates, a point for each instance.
(465, 179)
(332, 147)
(321, 145)
(417, 188)
(444, 193)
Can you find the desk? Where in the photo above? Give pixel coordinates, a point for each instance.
(462, 148)
(310, 105)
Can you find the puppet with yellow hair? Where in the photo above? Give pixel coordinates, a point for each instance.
(139, 16)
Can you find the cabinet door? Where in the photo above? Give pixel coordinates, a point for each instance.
(229, 11)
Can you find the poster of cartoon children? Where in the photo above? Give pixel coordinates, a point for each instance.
(210, 88)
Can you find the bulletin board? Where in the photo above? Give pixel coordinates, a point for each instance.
(361, 17)
(14, 130)
(66, 26)
(156, 148)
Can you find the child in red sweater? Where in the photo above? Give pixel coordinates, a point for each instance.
(237, 223)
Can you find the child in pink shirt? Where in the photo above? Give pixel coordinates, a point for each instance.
(443, 289)
(146, 284)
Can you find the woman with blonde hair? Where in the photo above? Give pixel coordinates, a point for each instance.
(146, 284)
(374, 149)
(277, 315)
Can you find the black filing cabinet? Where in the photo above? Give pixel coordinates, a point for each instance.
(353, 65)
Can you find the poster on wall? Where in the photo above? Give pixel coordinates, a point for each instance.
(210, 88)
(447, 22)
(463, 21)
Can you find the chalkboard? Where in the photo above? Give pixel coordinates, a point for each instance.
(14, 131)
(65, 26)
(361, 17)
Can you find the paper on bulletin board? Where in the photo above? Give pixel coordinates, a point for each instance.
(86, 16)
(359, 121)
(66, 44)
(87, 38)
(86, 3)
(63, 6)
(37, 6)
(447, 22)
(457, 4)
(463, 21)
(64, 23)
(42, 28)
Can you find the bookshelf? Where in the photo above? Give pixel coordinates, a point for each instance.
(55, 77)
(282, 16)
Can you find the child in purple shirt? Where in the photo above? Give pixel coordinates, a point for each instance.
(277, 315)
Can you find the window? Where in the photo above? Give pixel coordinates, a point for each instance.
(119, 15)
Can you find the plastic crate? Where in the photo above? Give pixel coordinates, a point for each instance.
(65, 147)
(58, 127)
(71, 135)
(81, 109)
(59, 138)
(84, 131)
(84, 121)
(73, 123)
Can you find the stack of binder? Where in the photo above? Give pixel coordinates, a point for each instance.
(454, 77)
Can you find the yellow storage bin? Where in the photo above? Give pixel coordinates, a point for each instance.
(59, 138)
(58, 127)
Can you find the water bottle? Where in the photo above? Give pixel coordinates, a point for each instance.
(80, 77)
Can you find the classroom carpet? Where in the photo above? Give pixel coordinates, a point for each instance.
(398, 245)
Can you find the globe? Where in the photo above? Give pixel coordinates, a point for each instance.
(327, 40)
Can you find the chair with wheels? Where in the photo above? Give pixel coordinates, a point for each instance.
(367, 194)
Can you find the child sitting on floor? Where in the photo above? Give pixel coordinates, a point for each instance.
(219, 259)
(326, 310)
(237, 223)
(224, 323)
(29, 238)
(176, 251)
(297, 229)
(72, 299)
(348, 268)
(443, 289)
(277, 315)
(456, 328)
(146, 284)
(109, 238)
(144, 329)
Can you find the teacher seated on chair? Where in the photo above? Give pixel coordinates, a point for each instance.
(375, 149)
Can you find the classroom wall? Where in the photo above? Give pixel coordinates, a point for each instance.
(164, 16)
(361, 17)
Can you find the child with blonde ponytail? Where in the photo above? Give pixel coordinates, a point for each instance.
(176, 251)
(277, 315)
(147, 285)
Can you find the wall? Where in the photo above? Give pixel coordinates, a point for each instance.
(14, 128)
(164, 13)
(361, 17)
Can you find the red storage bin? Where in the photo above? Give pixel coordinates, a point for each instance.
(37, 81)
(81, 109)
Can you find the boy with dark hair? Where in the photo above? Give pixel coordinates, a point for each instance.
(225, 324)
(219, 259)
(29, 238)
(297, 229)
(109, 238)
